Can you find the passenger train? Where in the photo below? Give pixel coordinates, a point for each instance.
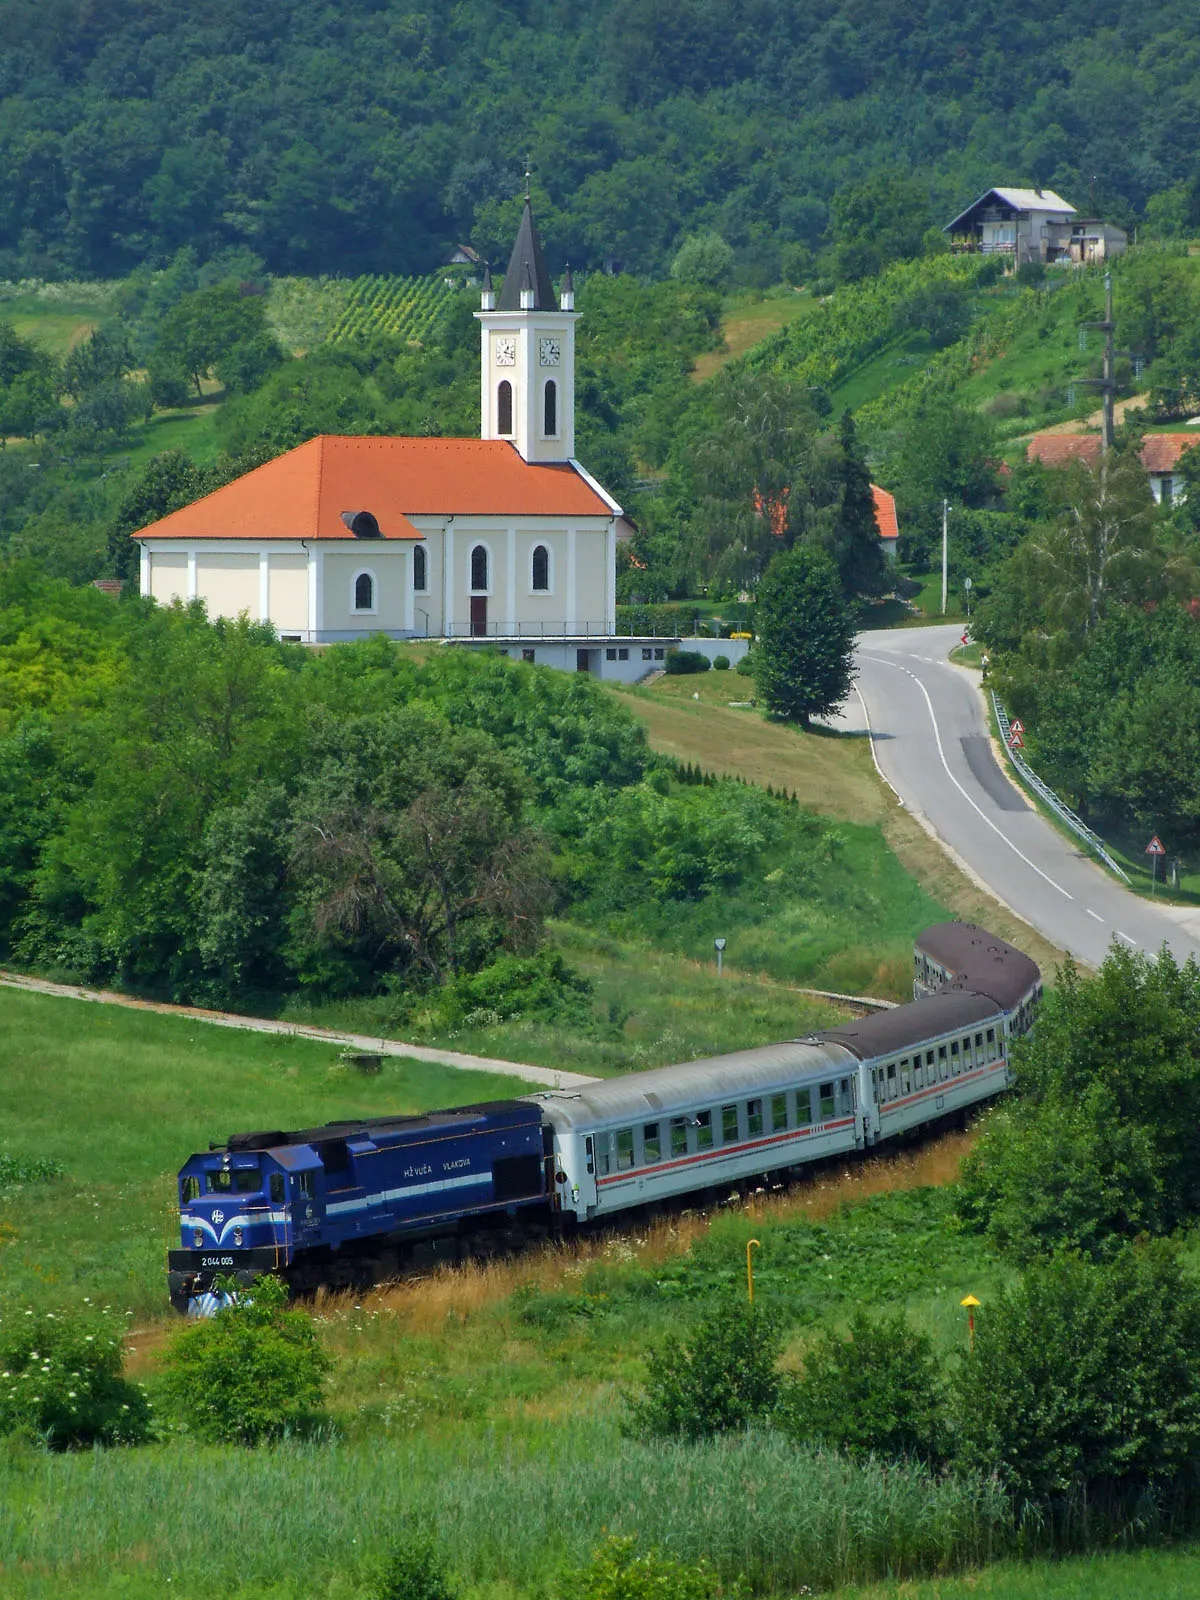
(356, 1201)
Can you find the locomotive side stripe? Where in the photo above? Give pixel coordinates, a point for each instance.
(340, 1207)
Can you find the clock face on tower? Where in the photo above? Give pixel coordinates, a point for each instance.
(549, 351)
(505, 349)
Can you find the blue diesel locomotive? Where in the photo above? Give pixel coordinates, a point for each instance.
(359, 1201)
(330, 1205)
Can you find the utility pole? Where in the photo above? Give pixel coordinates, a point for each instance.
(945, 552)
(1107, 384)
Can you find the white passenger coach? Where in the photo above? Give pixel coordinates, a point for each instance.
(711, 1124)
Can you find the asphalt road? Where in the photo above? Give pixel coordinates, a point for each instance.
(931, 743)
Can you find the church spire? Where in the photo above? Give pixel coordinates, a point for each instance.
(527, 271)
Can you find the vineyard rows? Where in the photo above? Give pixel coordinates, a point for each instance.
(405, 308)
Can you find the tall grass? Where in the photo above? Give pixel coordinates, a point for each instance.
(503, 1508)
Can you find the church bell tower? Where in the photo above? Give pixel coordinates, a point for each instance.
(527, 357)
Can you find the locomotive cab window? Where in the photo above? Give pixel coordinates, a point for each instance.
(679, 1139)
(304, 1185)
(753, 1118)
(189, 1189)
(624, 1149)
(277, 1189)
(243, 1181)
(704, 1130)
(778, 1113)
(651, 1143)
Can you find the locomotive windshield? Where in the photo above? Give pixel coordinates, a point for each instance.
(244, 1180)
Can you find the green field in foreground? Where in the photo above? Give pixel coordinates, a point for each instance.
(1170, 1574)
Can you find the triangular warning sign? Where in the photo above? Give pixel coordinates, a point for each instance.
(1016, 725)
(1155, 847)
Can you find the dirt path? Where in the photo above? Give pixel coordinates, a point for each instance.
(356, 1041)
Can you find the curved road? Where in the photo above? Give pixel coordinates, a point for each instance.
(932, 744)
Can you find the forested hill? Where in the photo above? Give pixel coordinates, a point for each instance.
(368, 135)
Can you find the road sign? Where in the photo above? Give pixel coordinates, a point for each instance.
(1016, 725)
(1155, 847)
(964, 638)
(1015, 741)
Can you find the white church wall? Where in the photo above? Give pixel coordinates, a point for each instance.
(388, 567)
(168, 575)
(287, 592)
(227, 582)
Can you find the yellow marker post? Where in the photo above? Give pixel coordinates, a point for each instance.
(753, 1244)
(970, 1302)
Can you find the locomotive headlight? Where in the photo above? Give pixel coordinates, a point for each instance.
(238, 1236)
(197, 1237)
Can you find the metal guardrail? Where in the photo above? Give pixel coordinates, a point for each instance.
(1048, 796)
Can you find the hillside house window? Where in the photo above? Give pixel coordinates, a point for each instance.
(479, 568)
(540, 569)
(504, 407)
(420, 569)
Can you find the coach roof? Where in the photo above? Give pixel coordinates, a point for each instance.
(973, 958)
(665, 1090)
(888, 1033)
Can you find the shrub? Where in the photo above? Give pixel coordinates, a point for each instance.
(682, 661)
(61, 1380)
(251, 1372)
(877, 1390)
(723, 1378)
(748, 665)
(1085, 1380)
(720, 663)
(413, 1570)
(27, 1169)
(617, 1572)
(541, 985)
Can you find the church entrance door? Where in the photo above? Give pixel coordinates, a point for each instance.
(478, 616)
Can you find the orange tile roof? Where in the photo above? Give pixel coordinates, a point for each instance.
(301, 495)
(885, 513)
(1160, 451)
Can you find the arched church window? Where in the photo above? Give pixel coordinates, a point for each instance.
(551, 409)
(504, 407)
(479, 567)
(541, 567)
(420, 568)
(364, 592)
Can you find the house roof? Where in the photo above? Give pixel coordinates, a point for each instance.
(885, 513)
(527, 269)
(1160, 452)
(303, 494)
(1020, 200)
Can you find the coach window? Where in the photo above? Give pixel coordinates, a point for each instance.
(955, 1063)
(905, 1076)
(968, 1059)
(624, 1149)
(804, 1108)
(827, 1101)
(277, 1188)
(679, 1128)
(189, 1189)
(604, 1153)
(943, 1072)
(778, 1113)
(753, 1118)
(704, 1130)
(979, 1047)
(991, 1044)
(729, 1124)
(651, 1143)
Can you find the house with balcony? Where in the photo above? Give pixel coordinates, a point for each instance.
(1025, 225)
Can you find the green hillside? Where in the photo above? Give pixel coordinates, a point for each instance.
(373, 135)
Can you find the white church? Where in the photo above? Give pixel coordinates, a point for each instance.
(505, 540)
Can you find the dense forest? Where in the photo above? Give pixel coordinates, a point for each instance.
(372, 134)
